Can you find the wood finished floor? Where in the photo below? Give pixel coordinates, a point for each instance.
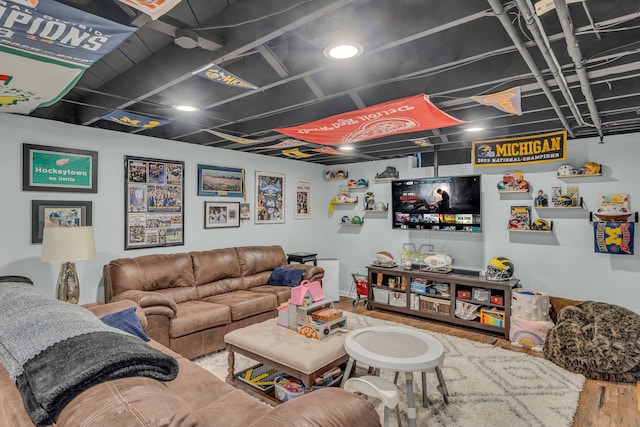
(602, 404)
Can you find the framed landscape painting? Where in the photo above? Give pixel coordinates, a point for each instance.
(220, 181)
(269, 198)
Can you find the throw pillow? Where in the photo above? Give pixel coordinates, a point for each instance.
(285, 277)
(127, 321)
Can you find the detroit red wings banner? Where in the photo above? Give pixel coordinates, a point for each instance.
(411, 114)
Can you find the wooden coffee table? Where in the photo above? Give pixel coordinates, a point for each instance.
(285, 350)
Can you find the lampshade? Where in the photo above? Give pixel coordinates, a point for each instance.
(68, 244)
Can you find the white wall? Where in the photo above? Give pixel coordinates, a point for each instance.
(562, 263)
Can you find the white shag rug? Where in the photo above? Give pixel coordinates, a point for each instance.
(488, 386)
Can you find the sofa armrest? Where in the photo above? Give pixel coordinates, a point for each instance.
(326, 407)
(150, 302)
(311, 272)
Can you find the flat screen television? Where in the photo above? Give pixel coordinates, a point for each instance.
(443, 203)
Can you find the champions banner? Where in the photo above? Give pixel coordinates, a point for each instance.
(613, 237)
(547, 147)
(133, 120)
(45, 46)
(412, 114)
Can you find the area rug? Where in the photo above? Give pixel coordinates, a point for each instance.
(488, 386)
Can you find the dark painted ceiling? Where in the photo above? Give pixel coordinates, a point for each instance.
(578, 67)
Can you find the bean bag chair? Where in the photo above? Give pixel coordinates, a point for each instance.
(598, 340)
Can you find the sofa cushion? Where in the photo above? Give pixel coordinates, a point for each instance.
(194, 316)
(256, 259)
(283, 293)
(215, 264)
(152, 273)
(126, 320)
(245, 304)
(285, 277)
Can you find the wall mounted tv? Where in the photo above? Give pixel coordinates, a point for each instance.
(443, 203)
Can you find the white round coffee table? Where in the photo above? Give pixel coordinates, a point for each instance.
(399, 349)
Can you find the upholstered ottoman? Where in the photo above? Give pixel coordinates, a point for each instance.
(285, 350)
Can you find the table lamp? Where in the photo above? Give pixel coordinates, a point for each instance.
(67, 245)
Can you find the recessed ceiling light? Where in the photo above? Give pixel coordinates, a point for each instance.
(188, 108)
(346, 148)
(474, 129)
(343, 50)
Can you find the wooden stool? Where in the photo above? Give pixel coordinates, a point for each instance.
(377, 387)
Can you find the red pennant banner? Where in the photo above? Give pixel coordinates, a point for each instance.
(411, 114)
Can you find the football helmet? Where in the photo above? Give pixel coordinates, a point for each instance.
(356, 220)
(564, 200)
(503, 186)
(362, 182)
(540, 224)
(341, 174)
(523, 185)
(380, 206)
(499, 269)
(351, 183)
(590, 168)
(329, 175)
(566, 170)
(369, 200)
(345, 219)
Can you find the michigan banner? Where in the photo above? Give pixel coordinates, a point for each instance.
(613, 237)
(546, 147)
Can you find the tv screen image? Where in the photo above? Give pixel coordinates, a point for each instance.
(442, 203)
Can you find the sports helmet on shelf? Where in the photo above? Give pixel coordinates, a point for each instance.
(503, 186)
(363, 182)
(523, 185)
(380, 206)
(540, 224)
(356, 220)
(566, 170)
(590, 168)
(345, 219)
(351, 183)
(341, 174)
(329, 175)
(499, 269)
(565, 200)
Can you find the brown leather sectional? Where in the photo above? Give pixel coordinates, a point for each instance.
(196, 398)
(192, 299)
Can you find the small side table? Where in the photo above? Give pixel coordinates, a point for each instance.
(302, 257)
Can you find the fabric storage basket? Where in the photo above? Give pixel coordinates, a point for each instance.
(398, 299)
(435, 305)
(381, 295)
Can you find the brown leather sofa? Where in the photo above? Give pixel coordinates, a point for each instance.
(196, 398)
(191, 300)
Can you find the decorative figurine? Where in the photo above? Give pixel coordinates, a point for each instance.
(541, 200)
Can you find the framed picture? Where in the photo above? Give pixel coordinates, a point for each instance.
(269, 198)
(59, 169)
(303, 199)
(220, 181)
(221, 214)
(56, 213)
(154, 202)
